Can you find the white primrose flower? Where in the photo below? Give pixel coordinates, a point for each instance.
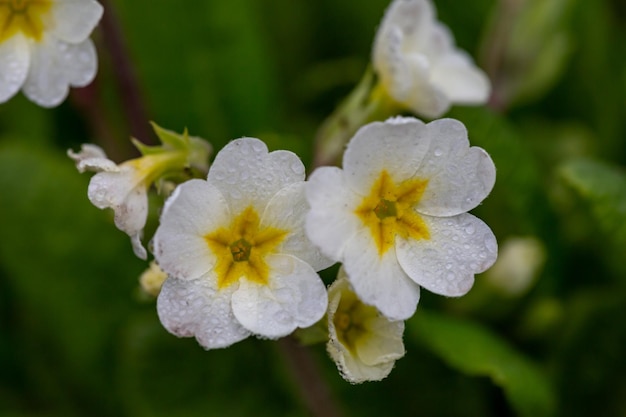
(363, 343)
(45, 48)
(235, 250)
(418, 64)
(124, 187)
(396, 214)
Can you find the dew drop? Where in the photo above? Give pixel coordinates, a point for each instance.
(438, 152)
(470, 229)
(491, 244)
(297, 168)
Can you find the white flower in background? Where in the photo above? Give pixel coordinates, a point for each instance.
(124, 187)
(396, 214)
(363, 343)
(236, 253)
(418, 64)
(45, 48)
(518, 265)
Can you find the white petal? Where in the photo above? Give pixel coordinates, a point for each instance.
(73, 20)
(287, 211)
(422, 97)
(110, 189)
(294, 297)
(412, 18)
(384, 344)
(459, 177)
(14, 63)
(196, 308)
(195, 209)
(331, 222)
(55, 66)
(352, 369)
(247, 174)
(397, 148)
(379, 281)
(92, 158)
(456, 75)
(458, 248)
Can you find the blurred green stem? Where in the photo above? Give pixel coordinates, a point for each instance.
(130, 93)
(305, 372)
(366, 103)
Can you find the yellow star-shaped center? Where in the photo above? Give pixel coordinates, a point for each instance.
(351, 319)
(25, 16)
(241, 249)
(388, 211)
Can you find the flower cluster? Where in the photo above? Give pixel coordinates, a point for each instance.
(45, 48)
(239, 245)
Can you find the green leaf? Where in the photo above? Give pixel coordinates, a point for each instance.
(604, 187)
(70, 272)
(474, 350)
(162, 375)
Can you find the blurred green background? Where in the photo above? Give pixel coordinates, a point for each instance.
(77, 338)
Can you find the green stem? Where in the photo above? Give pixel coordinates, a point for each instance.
(366, 103)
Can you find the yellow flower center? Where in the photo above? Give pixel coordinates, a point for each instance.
(350, 320)
(25, 16)
(241, 249)
(388, 211)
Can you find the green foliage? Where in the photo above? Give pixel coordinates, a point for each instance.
(604, 187)
(474, 350)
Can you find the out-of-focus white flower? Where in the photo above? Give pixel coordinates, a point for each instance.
(517, 267)
(418, 64)
(45, 48)
(363, 343)
(396, 214)
(124, 187)
(236, 253)
(152, 279)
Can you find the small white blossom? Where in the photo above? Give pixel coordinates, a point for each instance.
(418, 64)
(45, 48)
(124, 187)
(395, 215)
(236, 253)
(518, 265)
(363, 343)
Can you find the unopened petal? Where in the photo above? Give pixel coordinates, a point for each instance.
(384, 343)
